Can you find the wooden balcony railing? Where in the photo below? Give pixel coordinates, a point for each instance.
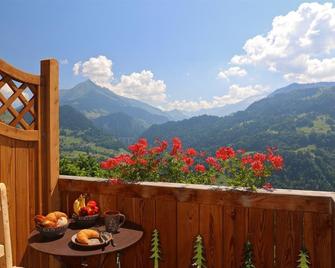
(278, 224)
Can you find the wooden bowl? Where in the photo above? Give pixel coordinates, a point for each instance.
(52, 232)
(85, 221)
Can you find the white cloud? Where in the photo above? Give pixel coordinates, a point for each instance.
(300, 45)
(235, 94)
(232, 71)
(141, 86)
(137, 85)
(98, 69)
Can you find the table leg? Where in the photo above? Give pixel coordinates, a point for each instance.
(118, 259)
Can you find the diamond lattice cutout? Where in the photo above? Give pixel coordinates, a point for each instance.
(17, 102)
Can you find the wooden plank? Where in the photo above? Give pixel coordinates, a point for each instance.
(288, 237)
(142, 213)
(22, 200)
(261, 236)
(166, 224)
(209, 195)
(187, 230)
(318, 230)
(235, 227)
(210, 221)
(7, 175)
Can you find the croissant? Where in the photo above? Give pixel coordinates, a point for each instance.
(84, 235)
(54, 216)
(48, 223)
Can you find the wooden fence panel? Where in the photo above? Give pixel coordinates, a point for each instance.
(210, 222)
(166, 224)
(235, 226)
(180, 215)
(28, 148)
(261, 232)
(317, 238)
(187, 230)
(288, 238)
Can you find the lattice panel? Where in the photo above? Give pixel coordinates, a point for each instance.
(17, 103)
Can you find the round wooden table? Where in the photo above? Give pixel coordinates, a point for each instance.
(64, 247)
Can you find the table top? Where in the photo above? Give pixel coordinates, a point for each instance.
(65, 247)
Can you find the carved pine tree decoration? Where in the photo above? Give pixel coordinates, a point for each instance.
(248, 256)
(303, 261)
(155, 248)
(199, 259)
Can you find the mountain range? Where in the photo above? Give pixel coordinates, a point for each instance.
(298, 119)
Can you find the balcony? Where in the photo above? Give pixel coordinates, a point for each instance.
(278, 224)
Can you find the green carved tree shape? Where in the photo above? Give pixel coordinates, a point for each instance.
(248, 263)
(155, 248)
(303, 261)
(198, 258)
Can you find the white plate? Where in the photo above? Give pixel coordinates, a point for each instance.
(93, 242)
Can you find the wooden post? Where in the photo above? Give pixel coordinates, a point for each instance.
(49, 132)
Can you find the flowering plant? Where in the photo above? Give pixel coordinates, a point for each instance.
(159, 163)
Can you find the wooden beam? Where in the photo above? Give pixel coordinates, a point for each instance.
(49, 129)
(307, 201)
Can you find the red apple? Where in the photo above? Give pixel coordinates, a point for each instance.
(92, 204)
(91, 211)
(83, 211)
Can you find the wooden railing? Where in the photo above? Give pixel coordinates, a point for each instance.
(278, 224)
(29, 152)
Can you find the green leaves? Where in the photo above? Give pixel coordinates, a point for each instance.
(199, 259)
(155, 248)
(248, 256)
(303, 261)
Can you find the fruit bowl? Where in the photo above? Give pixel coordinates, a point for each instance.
(85, 221)
(52, 232)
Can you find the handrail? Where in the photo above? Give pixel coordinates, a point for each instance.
(19, 75)
(292, 200)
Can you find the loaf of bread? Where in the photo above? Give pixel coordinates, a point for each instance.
(85, 235)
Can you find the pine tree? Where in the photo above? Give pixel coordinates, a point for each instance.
(155, 248)
(303, 261)
(199, 259)
(248, 256)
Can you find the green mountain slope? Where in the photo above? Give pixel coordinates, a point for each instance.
(94, 101)
(300, 122)
(79, 135)
(122, 126)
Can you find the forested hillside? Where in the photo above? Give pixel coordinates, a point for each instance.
(301, 123)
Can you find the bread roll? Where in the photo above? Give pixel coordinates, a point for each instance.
(49, 224)
(39, 219)
(62, 221)
(85, 235)
(54, 216)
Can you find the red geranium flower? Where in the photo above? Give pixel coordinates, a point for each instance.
(277, 161)
(177, 145)
(191, 152)
(188, 161)
(200, 168)
(257, 167)
(225, 153)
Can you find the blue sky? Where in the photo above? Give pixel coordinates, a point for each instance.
(174, 54)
